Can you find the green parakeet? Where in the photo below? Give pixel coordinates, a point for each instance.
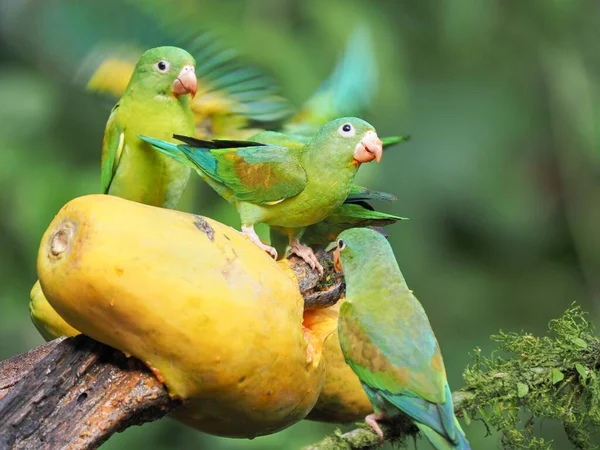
(288, 187)
(157, 102)
(387, 340)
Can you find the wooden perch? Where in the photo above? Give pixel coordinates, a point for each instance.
(75, 393)
(76, 396)
(364, 438)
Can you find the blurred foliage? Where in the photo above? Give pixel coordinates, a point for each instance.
(500, 179)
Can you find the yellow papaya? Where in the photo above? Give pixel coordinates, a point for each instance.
(45, 318)
(210, 313)
(342, 398)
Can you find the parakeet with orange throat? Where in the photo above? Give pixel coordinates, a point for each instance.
(157, 102)
(286, 187)
(387, 340)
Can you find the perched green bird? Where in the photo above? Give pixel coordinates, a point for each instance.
(156, 101)
(356, 211)
(388, 342)
(287, 187)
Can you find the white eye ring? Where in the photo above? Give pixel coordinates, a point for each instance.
(341, 244)
(347, 130)
(162, 66)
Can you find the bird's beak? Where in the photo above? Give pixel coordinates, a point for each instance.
(369, 148)
(186, 82)
(337, 265)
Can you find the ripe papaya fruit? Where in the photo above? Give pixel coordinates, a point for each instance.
(208, 311)
(342, 398)
(47, 321)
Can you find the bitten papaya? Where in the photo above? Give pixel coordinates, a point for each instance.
(208, 311)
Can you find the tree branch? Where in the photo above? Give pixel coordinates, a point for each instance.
(364, 438)
(75, 393)
(77, 396)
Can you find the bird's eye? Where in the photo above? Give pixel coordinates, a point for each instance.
(347, 130)
(341, 244)
(162, 66)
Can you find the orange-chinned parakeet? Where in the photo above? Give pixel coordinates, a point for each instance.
(157, 101)
(288, 187)
(387, 340)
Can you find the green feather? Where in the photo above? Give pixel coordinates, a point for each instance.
(360, 194)
(393, 140)
(346, 216)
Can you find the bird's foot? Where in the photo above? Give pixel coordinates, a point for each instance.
(249, 231)
(371, 420)
(307, 254)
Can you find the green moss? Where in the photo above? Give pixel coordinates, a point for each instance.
(530, 378)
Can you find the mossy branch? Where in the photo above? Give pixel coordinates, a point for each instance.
(550, 377)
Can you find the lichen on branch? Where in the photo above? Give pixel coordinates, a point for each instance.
(552, 377)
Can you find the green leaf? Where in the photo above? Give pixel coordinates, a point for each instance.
(579, 342)
(466, 417)
(522, 390)
(557, 376)
(582, 371)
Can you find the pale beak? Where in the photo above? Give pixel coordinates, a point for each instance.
(369, 148)
(186, 82)
(337, 265)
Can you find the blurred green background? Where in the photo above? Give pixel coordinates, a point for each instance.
(501, 179)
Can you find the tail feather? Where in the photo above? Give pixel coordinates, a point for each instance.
(360, 214)
(437, 421)
(440, 442)
(169, 149)
(198, 158)
(360, 194)
(393, 140)
(349, 215)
